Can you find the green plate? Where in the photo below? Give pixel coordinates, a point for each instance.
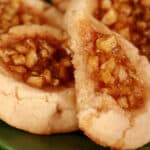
(13, 139)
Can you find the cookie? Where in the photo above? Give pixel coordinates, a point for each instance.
(36, 74)
(112, 81)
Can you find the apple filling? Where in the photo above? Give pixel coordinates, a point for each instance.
(14, 12)
(114, 74)
(38, 62)
(129, 18)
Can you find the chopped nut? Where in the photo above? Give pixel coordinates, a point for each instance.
(31, 58)
(110, 17)
(47, 47)
(106, 77)
(123, 102)
(44, 44)
(132, 100)
(109, 65)
(35, 81)
(47, 75)
(51, 50)
(93, 61)
(126, 9)
(18, 59)
(21, 49)
(106, 44)
(66, 62)
(34, 73)
(18, 69)
(26, 18)
(56, 82)
(122, 74)
(125, 32)
(44, 53)
(106, 4)
(9, 52)
(30, 43)
(4, 57)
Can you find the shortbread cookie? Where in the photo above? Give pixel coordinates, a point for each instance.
(112, 81)
(37, 84)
